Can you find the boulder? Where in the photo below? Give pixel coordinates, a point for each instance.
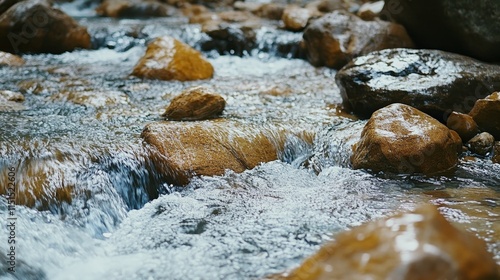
(296, 18)
(8, 59)
(134, 9)
(197, 103)
(167, 58)
(481, 144)
(460, 26)
(486, 113)
(432, 81)
(401, 139)
(420, 244)
(184, 150)
(463, 124)
(496, 152)
(338, 37)
(35, 26)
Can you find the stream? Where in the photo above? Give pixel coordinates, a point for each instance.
(98, 209)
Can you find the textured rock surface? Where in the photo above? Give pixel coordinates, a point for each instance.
(463, 124)
(35, 26)
(432, 81)
(486, 113)
(196, 103)
(415, 245)
(462, 26)
(8, 59)
(481, 144)
(167, 58)
(296, 18)
(134, 8)
(184, 150)
(402, 139)
(336, 38)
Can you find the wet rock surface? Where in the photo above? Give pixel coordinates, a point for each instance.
(169, 59)
(35, 26)
(134, 9)
(402, 139)
(460, 26)
(463, 124)
(486, 113)
(481, 144)
(336, 38)
(296, 18)
(434, 82)
(196, 103)
(420, 244)
(8, 59)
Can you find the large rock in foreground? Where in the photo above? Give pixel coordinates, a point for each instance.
(336, 38)
(402, 139)
(167, 58)
(185, 150)
(435, 82)
(462, 26)
(416, 245)
(35, 26)
(486, 113)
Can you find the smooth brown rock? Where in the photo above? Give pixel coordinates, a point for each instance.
(197, 103)
(481, 144)
(272, 11)
(134, 9)
(463, 124)
(486, 113)
(35, 26)
(184, 150)
(401, 139)
(167, 58)
(9, 59)
(420, 244)
(338, 37)
(496, 152)
(296, 18)
(236, 16)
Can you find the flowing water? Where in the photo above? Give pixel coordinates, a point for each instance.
(94, 206)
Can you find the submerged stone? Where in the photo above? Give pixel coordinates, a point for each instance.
(420, 244)
(432, 81)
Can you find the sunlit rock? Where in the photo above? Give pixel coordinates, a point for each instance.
(11, 96)
(167, 58)
(296, 18)
(463, 124)
(486, 113)
(402, 139)
(338, 37)
(370, 10)
(196, 103)
(35, 26)
(420, 244)
(481, 144)
(432, 81)
(134, 8)
(184, 150)
(460, 26)
(9, 59)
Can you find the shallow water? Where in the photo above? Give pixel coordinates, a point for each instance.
(80, 135)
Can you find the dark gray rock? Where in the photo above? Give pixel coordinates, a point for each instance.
(462, 26)
(432, 81)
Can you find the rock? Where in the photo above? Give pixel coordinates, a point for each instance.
(193, 10)
(402, 139)
(338, 37)
(432, 81)
(9, 59)
(167, 58)
(11, 96)
(328, 6)
(97, 99)
(35, 26)
(272, 11)
(230, 38)
(481, 144)
(236, 16)
(296, 18)
(134, 8)
(496, 152)
(204, 17)
(185, 150)
(420, 244)
(9, 101)
(463, 124)
(369, 11)
(459, 26)
(197, 103)
(486, 113)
